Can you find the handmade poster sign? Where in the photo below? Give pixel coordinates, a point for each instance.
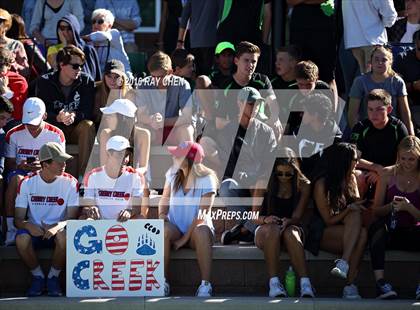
(107, 258)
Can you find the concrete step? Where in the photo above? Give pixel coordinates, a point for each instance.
(187, 303)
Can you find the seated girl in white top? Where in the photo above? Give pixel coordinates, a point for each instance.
(189, 191)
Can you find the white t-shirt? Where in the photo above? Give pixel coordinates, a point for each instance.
(20, 144)
(47, 202)
(113, 195)
(183, 208)
(408, 35)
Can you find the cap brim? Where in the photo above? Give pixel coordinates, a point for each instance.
(107, 110)
(226, 48)
(117, 72)
(172, 150)
(32, 121)
(62, 158)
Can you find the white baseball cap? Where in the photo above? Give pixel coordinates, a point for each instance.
(33, 111)
(122, 106)
(117, 143)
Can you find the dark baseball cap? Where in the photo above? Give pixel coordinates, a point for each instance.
(114, 66)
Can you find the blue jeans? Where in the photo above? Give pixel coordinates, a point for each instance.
(231, 189)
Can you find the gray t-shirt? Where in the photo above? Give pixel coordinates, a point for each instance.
(363, 84)
(169, 102)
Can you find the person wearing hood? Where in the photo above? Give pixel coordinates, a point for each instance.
(68, 32)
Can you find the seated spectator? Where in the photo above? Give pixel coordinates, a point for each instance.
(13, 86)
(68, 33)
(408, 65)
(127, 19)
(45, 201)
(22, 147)
(185, 206)
(115, 176)
(246, 60)
(337, 226)
(404, 28)
(183, 65)
(15, 46)
(397, 204)
(316, 134)
(107, 40)
(165, 106)
(378, 136)
(243, 154)
(280, 217)
(45, 17)
(364, 28)
(70, 94)
(6, 109)
(114, 85)
(307, 80)
(287, 58)
(223, 64)
(37, 63)
(119, 119)
(381, 77)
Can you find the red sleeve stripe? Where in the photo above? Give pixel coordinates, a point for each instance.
(27, 177)
(13, 130)
(56, 130)
(86, 178)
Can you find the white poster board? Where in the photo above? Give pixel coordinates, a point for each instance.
(107, 258)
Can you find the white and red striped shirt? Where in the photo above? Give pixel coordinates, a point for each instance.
(20, 144)
(113, 195)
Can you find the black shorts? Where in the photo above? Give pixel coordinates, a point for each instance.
(319, 46)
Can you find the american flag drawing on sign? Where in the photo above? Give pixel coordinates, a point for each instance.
(116, 240)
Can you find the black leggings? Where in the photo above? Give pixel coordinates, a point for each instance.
(381, 239)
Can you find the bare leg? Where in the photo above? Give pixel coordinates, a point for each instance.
(268, 240)
(59, 256)
(26, 251)
(202, 241)
(171, 234)
(294, 245)
(356, 256)
(141, 147)
(352, 227)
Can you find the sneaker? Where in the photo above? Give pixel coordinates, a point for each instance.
(418, 292)
(351, 292)
(306, 290)
(247, 238)
(385, 291)
(231, 235)
(341, 268)
(10, 237)
(167, 289)
(277, 289)
(37, 286)
(204, 290)
(53, 287)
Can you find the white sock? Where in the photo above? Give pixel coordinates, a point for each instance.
(10, 223)
(37, 272)
(53, 272)
(305, 280)
(204, 282)
(274, 280)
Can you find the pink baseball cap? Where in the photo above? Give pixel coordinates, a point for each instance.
(188, 149)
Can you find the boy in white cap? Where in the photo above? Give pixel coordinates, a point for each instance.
(45, 201)
(114, 190)
(22, 147)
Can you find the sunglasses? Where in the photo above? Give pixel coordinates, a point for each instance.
(284, 174)
(64, 28)
(76, 66)
(99, 21)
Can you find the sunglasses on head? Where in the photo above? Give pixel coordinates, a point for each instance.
(64, 28)
(99, 21)
(76, 66)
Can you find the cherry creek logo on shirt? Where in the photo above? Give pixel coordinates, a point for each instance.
(47, 199)
(22, 151)
(114, 194)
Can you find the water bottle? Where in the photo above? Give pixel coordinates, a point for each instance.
(290, 282)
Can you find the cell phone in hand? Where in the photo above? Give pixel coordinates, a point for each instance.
(398, 198)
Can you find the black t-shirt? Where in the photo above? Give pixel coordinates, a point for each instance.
(295, 118)
(310, 146)
(241, 20)
(218, 79)
(227, 107)
(408, 66)
(277, 82)
(310, 16)
(379, 145)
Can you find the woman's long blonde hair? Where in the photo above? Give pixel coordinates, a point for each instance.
(388, 54)
(409, 144)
